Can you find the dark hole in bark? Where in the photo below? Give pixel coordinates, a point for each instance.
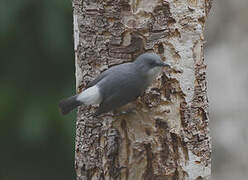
(160, 48)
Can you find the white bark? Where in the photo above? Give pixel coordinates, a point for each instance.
(168, 135)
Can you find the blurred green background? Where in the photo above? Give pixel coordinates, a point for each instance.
(36, 71)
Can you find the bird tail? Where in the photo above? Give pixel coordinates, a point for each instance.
(68, 104)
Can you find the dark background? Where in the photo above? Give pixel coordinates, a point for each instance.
(37, 70)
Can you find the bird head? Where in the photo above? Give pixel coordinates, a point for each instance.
(150, 60)
(150, 64)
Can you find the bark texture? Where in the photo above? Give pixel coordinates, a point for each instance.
(167, 137)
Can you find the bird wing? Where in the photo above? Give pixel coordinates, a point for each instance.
(97, 79)
(104, 74)
(119, 89)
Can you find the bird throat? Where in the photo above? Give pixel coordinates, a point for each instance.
(153, 73)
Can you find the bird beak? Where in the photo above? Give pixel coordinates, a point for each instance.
(165, 65)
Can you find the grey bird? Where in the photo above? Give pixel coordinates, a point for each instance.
(118, 85)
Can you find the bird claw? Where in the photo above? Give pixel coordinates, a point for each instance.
(126, 112)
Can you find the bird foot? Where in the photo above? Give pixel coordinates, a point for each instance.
(126, 112)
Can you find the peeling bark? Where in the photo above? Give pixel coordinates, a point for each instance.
(167, 137)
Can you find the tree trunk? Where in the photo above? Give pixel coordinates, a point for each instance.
(167, 137)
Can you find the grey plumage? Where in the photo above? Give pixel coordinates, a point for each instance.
(128, 85)
(120, 84)
(67, 105)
